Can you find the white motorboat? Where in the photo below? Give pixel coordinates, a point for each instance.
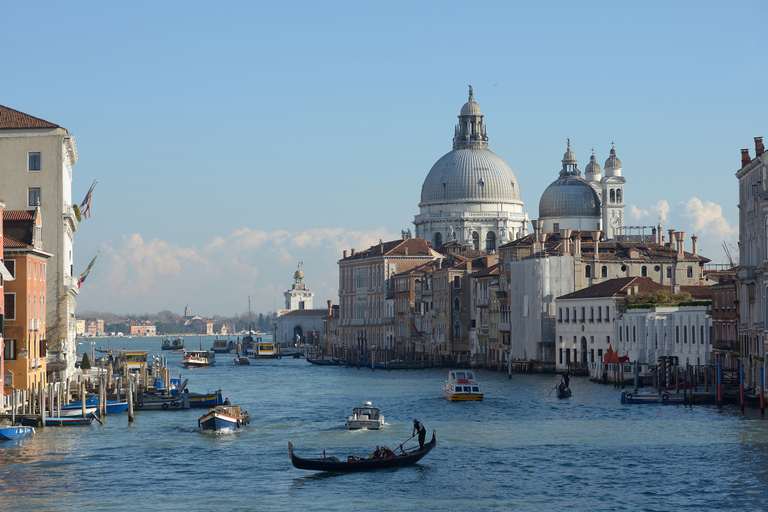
(461, 386)
(366, 417)
(198, 359)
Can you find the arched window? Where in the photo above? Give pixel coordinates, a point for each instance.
(618, 195)
(693, 335)
(438, 239)
(587, 271)
(613, 196)
(490, 241)
(457, 330)
(456, 304)
(604, 271)
(644, 271)
(475, 241)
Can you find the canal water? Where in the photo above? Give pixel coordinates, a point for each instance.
(519, 449)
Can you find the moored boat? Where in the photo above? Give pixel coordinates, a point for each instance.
(263, 350)
(366, 417)
(76, 409)
(461, 386)
(224, 417)
(10, 433)
(176, 344)
(242, 360)
(220, 346)
(198, 359)
(52, 421)
(352, 463)
(653, 398)
(113, 407)
(153, 401)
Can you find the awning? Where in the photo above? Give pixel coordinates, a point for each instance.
(5, 273)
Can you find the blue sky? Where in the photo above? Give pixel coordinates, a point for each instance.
(232, 140)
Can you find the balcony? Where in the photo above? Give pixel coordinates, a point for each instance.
(504, 326)
(482, 303)
(746, 273)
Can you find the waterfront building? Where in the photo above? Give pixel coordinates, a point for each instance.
(36, 160)
(94, 326)
(4, 276)
(25, 300)
(330, 336)
(725, 320)
(80, 326)
(366, 292)
(142, 328)
(753, 255)
(471, 195)
(542, 266)
(485, 347)
(298, 323)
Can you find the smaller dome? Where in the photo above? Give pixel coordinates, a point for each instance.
(569, 196)
(613, 162)
(569, 157)
(593, 167)
(471, 108)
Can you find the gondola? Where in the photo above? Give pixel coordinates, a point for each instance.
(353, 463)
(563, 392)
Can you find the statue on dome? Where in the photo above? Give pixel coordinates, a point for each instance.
(471, 96)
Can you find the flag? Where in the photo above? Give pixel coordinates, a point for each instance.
(85, 274)
(85, 206)
(415, 332)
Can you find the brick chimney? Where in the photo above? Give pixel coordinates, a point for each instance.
(577, 243)
(345, 254)
(745, 157)
(694, 249)
(353, 252)
(330, 307)
(759, 148)
(469, 266)
(680, 238)
(671, 238)
(565, 234)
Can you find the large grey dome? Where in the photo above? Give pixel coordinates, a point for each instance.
(470, 175)
(569, 196)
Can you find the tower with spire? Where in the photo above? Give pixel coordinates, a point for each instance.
(612, 197)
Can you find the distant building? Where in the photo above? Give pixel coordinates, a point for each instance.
(25, 299)
(36, 161)
(80, 326)
(93, 326)
(298, 323)
(725, 320)
(141, 328)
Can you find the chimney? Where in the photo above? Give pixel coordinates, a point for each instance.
(759, 148)
(671, 238)
(345, 254)
(694, 238)
(659, 235)
(469, 266)
(597, 245)
(330, 307)
(404, 236)
(680, 236)
(745, 157)
(353, 252)
(635, 289)
(577, 243)
(406, 251)
(537, 225)
(565, 234)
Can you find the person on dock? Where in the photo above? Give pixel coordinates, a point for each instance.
(418, 428)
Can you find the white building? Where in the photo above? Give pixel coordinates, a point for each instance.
(298, 323)
(471, 195)
(36, 160)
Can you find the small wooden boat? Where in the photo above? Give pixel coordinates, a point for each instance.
(76, 409)
(224, 417)
(112, 406)
(11, 433)
(198, 359)
(563, 392)
(461, 386)
(352, 463)
(177, 344)
(242, 361)
(366, 417)
(63, 421)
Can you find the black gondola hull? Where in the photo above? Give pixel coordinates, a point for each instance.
(339, 466)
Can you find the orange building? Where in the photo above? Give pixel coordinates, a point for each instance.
(25, 299)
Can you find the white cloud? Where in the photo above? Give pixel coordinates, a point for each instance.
(138, 276)
(636, 212)
(661, 209)
(707, 219)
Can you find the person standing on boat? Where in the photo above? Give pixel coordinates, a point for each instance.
(566, 379)
(419, 428)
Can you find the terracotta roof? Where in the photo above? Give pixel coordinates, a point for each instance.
(18, 215)
(12, 243)
(698, 292)
(615, 287)
(12, 119)
(493, 270)
(413, 246)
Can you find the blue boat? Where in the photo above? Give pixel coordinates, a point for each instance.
(15, 432)
(224, 417)
(112, 406)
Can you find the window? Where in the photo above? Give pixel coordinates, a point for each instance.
(608, 341)
(599, 313)
(604, 271)
(677, 334)
(592, 314)
(669, 272)
(11, 266)
(560, 315)
(618, 195)
(644, 271)
(490, 241)
(561, 357)
(634, 334)
(583, 314)
(10, 306)
(613, 196)
(34, 161)
(556, 227)
(475, 241)
(607, 319)
(587, 271)
(34, 196)
(9, 378)
(438, 239)
(685, 334)
(690, 272)
(567, 314)
(591, 339)
(456, 304)
(9, 350)
(457, 330)
(457, 281)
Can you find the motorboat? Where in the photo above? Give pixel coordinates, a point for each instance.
(10, 433)
(224, 417)
(365, 417)
(177, 344)
(263, 350)
(461, 386)
(198, 359)
(76, 409)
(242, 360)
(113, 407)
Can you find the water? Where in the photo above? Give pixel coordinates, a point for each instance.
(519, 449)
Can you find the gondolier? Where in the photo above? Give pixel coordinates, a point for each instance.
(419, 428)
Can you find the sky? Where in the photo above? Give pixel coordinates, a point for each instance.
(233, 141)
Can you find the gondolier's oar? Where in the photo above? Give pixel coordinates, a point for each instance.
(554, 388)
(401, 444)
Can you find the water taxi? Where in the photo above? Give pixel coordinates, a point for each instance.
(461, 386)
(366, 417)
(198, 359)
(224, 416)
(263, 350)
(133, 359)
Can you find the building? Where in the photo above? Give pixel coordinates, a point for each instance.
(25, 300)
(471, 195)
(486, 348)
(725, 320)
(298, 323)
(367, 293)
(36, 161)
(142, 328)
(753, 253)
(94, 326)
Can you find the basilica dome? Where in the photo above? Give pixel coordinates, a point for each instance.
(569, 196)
(470, 173)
